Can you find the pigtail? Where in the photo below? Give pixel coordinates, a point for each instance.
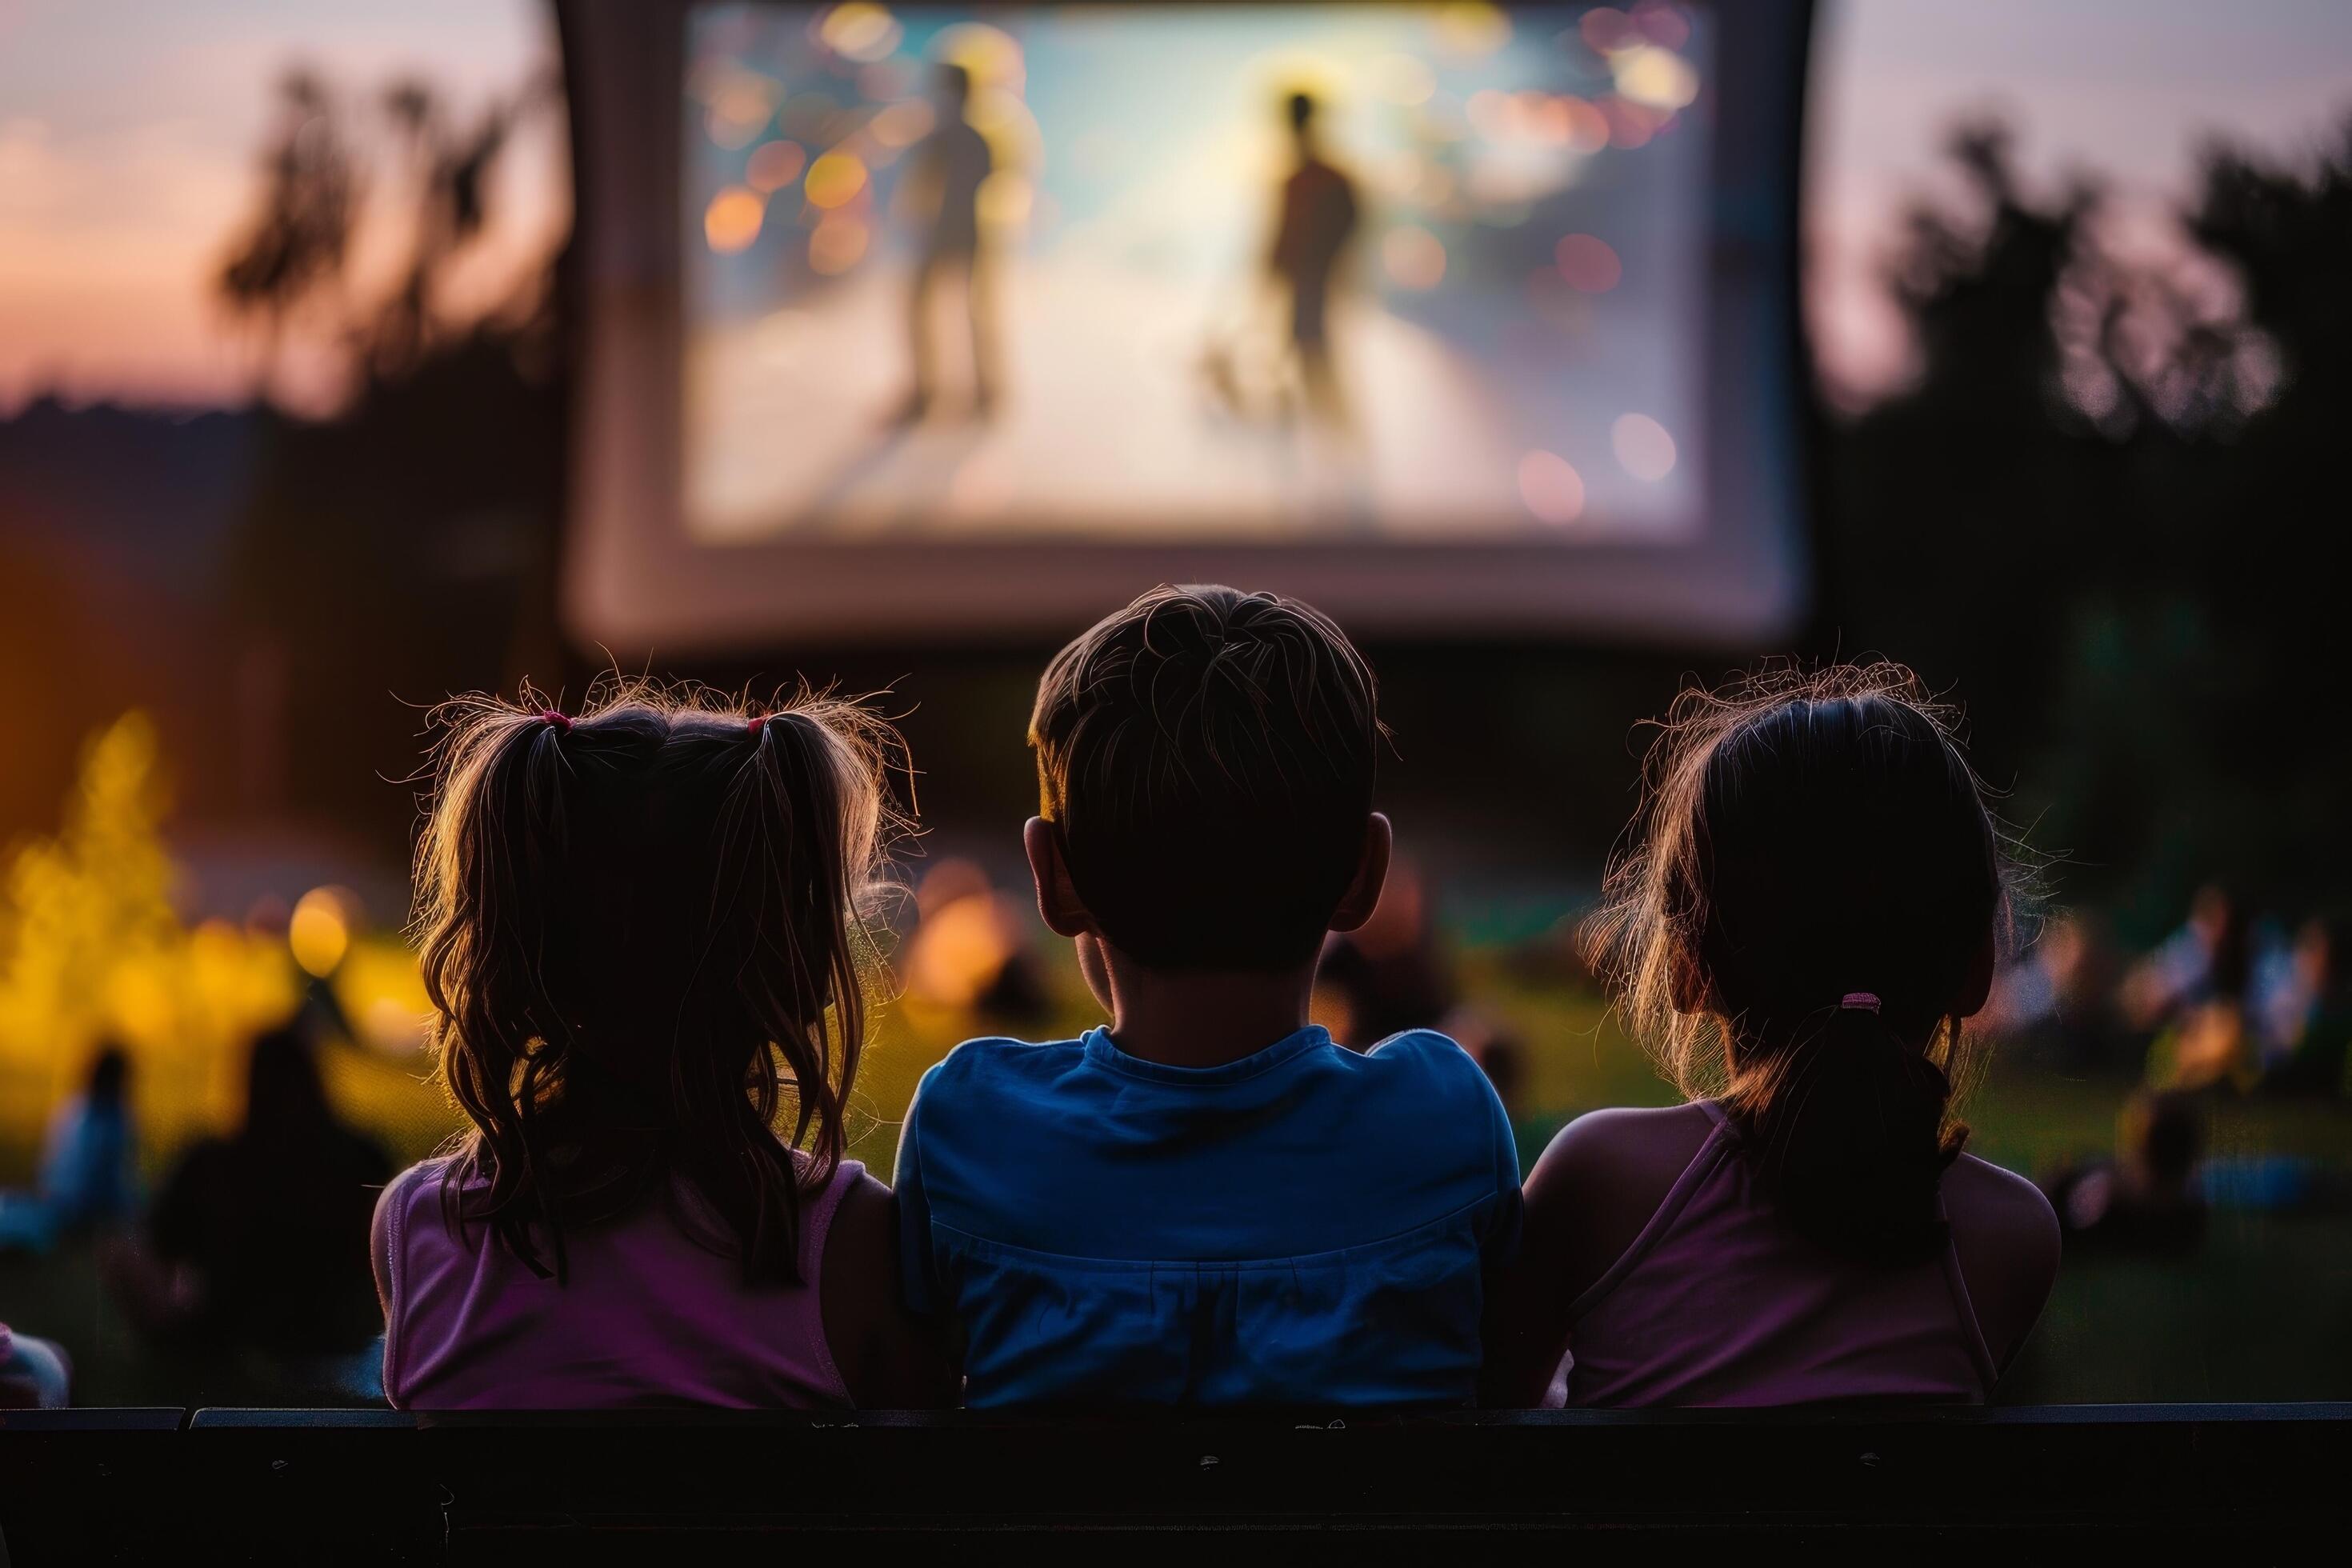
(1846, 1128)
(802, 820)
(491, 851)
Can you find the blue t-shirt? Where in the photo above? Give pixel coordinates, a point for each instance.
(1306, 1226)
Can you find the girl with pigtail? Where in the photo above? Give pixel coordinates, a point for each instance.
(1813, 904)
(647, 943)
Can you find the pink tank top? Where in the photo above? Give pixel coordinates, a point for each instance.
(1718, 1303)
(648, 1316)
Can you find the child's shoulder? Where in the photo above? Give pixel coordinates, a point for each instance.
(2005, 1236)
(418, 1185)
(1428, 1078)
(999, 1059)
(1430, 1052)
(1629, 1151)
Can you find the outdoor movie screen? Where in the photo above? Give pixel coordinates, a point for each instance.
(1374, 300)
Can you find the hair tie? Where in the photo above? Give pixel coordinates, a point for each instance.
(755, 726)
(550, 716)
(1859, 1001)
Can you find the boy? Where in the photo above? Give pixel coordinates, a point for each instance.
(1208, 1203)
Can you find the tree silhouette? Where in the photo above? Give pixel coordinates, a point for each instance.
(2100, 515)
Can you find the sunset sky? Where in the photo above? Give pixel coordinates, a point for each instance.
(128, 129)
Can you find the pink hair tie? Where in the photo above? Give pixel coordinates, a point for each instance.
(755, 726)
(1860, 1001)
(550, 716)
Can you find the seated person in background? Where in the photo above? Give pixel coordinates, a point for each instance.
(260, 1239)
(90, 1163)
(1813, 907)
(34, 1374)
(2146, 1200)
(645, 946)
(2307, 1017)
(1209, 1202)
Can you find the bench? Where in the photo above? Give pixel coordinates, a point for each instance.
(383, 1486)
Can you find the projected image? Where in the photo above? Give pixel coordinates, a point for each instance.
(1165, 272)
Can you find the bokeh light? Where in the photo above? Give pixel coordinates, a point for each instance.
(1551, 488)
(1655, 78)
(773, 165)
(1606, 30)
(1414, 257)
(859, 31)
(732, 220)
(741, 104)
(1643, 445)
(319, 932)
(834, 179)
(1472, 31)
(836, 244)
(1587, 264)
(902, 124)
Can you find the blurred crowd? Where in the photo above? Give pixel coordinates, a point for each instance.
(248, 1258)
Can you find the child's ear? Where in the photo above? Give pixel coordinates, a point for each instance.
(1058, 904)
(1978, 988)
(1363, 895)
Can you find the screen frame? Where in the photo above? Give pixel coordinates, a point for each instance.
(634, 581)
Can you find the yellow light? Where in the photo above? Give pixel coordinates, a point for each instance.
(834, 179)
(773, 165)
(958, 951)
(1643, 447)
(1416, 259)
(859, 31)
(319, 932)
(732, 220)
(990, 56)
(836, 244)
(1655, 78)
(1551, 487)
(1472, 30)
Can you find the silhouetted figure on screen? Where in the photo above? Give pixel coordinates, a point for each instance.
(1318, 215)
(950, 165)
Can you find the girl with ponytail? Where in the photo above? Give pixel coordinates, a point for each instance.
(1814, 902)
(647, 943)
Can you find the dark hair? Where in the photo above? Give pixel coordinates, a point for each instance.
(1301, 109)
(642, 934)
(1806, 835)
(109, 1075)
(1206, 757)
(285, 1102)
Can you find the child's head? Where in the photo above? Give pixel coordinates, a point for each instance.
(1809, 909)
(1205, 759)
(642, 941)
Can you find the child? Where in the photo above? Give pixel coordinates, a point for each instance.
(642, 945)
(1208, 1203)
(1811, 909)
